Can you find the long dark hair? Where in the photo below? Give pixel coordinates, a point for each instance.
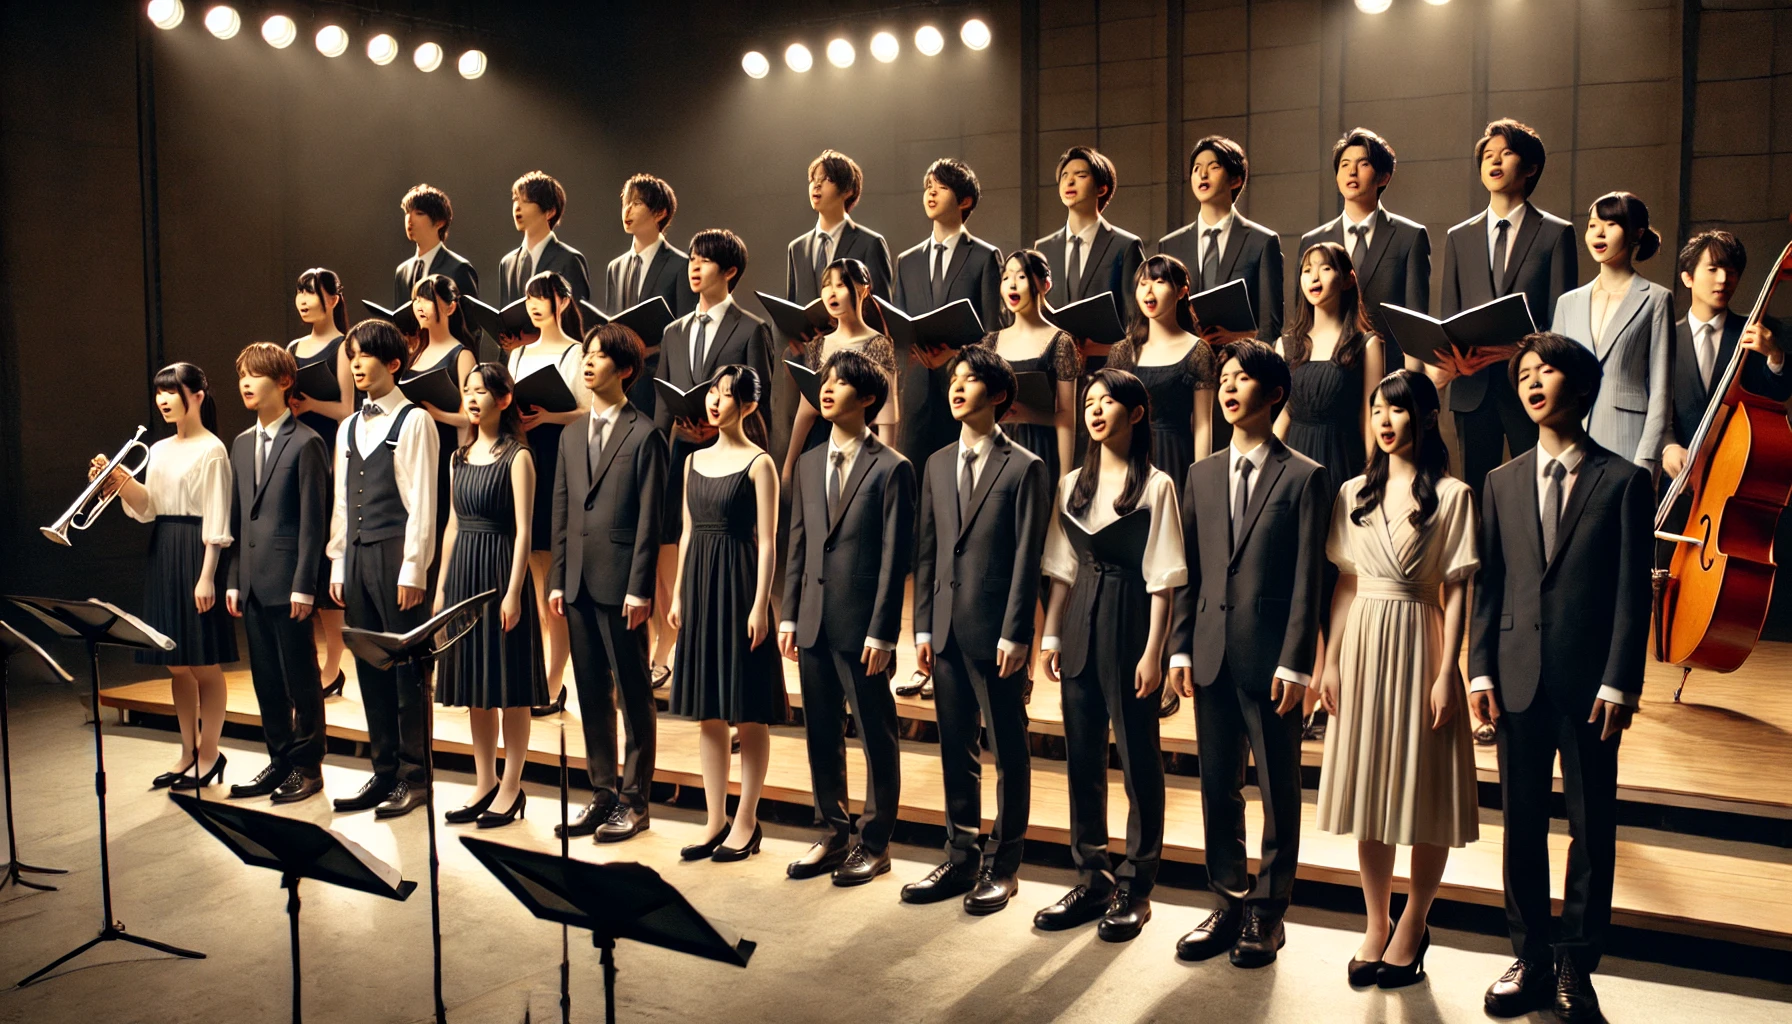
(1415, 393)
(858, 278)
(1038, 272)
(187, 380)
(321, 282)
(552, 287)
(498, 384)
(1130, 392)
(743, 385)
(441, 290)
(1160, 268)
(1297, 340)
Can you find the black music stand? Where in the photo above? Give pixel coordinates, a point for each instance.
(14, 642)
(419, 648)
(297, 849)
(613, 901)
(97, 623)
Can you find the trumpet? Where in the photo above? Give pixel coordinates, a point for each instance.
(96, 497)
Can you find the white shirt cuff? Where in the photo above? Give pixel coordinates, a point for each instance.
(556, 593)
(1288, 675)
(336, 571)
(413, 575)
(232, 594)
(631, 601)
(1480, 684)
(879, 645)
(1777, 365)
(297, 598)
(1009, 647)
(1613, 695)
(787, 626)
(923, 638)
(1050, 643)
(1181, 661)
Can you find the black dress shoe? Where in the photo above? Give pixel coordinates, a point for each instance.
(404, 798)
(705, 849)
(729, 854)
(1125, 918)
(216, 774)
(264, 783)
(336, 685)
(469, 814)
(1079, 906)
(1169, 701)
(861, 866)
(625, 822)
(1526, 987)
(953, 878)
(832, 857)
(589, 817)
(1362, 972)
(164, 780)
(553, 707)
(1315, 727)
(1213, 936)
(375, 789)
(1258, 940)
(915, 683)
(1402, 975)
(298, 786)
(498, 819)
(1576, 1002)
(993, 891)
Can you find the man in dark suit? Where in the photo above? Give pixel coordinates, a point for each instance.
(1392, 255)
(852, 517)
(427, 216)
(1088, 255)
(1509, 247)
(1242, 641)
(279, 515)
(1557, 647)
(985, 506)
(652, 266)
(537, 202)
(607, 493)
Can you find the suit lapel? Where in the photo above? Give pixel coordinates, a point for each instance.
(1098, 253)
(1054, 253)
(650, 282)
(1378, 247)
(274, 451)
(868, 453)
(1521, 247)
(1587, 479)
(626, 423)
(960, 253)
(441, 264)
(1334, 232)
(1529, 505)
(1476, 270)
(1627, 310)
(1686, 364)
(998, 460)
(1271, 472)
(1241, 230)
(724, 333)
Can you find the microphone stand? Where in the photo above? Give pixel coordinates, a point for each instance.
(425, 682)
(565, 855)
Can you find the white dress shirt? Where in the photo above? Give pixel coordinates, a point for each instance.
(1498, 260)
(1345, 224)
(833, 237)
(1164, 566)
(413, 464)
(715, 314)
(851, 450)
(983, 447)
(189, 477)
(1716, 339)
(1224, 225)
(951, 242)
(647, 256)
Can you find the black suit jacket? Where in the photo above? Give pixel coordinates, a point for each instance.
(1396, 269)
(606, 538)
(1255, 605)
(1544, 263)
(557, 256)
(1110, 265)
(866, 548)
(740, 338)
(965, 568)
(856, 242)
(447, 262)
(1691, 396)
(668, 276)
(280, 523)
(974, 272)
(1581, 620)
(1253, 255)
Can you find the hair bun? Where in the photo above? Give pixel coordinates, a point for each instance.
(1647, 244)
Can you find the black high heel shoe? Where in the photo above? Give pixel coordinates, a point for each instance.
(1402, 975)
(1362, 972)
(703, 850)
(166, 779)
(336, 685)
(498, 819)
(471, 813)
(554, 707)
(215, 775)
(725, 854)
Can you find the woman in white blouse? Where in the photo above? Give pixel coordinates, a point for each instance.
(186, 497)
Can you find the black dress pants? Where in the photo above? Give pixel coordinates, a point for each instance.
(831, 681)
(397, 707)
(609, 658)
(963, 689)
(1094, 700)
(283, 666)
(1232, 725)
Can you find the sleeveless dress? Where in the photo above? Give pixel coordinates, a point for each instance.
(488, 667)
(447, 437)
(1172, 388)
(326, 429)
(1059, 362)
(1323, 416)
(877, 349)
(717, 673)
(544, 442)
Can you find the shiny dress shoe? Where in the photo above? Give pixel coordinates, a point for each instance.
(703, 850)
(336, 685)
(1315, 727)
(498, 819)
(553, 707)
(298, 786)
(374, 790)
(729, 854)
(589, 817)
(264, 783)
(164, 780)
(953, 878)
(1213, 936)
(1258, 940)
(216, 774)
(1125, 918)
(1362, 972)
(821, 859)
(404, 798)
(1402, 975)
(1526, 987)
(861, 866)
(992, 893)
(469, 814)
(1079, 906)
(660, 676)
(625, 822)
(1485, 733)
(1576, 1001)
(1169, 701)
(916, 683)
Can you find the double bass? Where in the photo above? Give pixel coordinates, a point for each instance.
(1711, 601)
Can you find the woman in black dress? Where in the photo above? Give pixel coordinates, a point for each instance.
(726, 674)
(1031, 345)
(321, 306)
(496, 671)
(442, 337)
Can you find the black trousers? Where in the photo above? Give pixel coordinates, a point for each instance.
(1528, 743)
(1500, 421)
(397, 708)
(283, 665)
(963, 689)
(608, 657)
(1231, 725)
(832, 680)
(1092, 702)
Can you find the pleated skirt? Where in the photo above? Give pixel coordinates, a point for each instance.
(489, 667)
(176, 557)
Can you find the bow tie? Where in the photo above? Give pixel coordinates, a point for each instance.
(371, 409)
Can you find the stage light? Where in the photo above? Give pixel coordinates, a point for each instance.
(975, 34)
(929, 41)
(332, 41)
(1437, 3)
(841, 53)
(223, 21)
(1373, 6)
(427, 57)
(885, 47)
(755, 64)
(166, 14)
(382, 49)
(471, 64)
(279, 31)
(798, 57)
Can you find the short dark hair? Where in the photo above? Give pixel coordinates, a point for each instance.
(865, 377)
(1100, 168)
(1575, 361)
(724, 248)
(1264, 365)
(540, 188)
(431, 202)
(1381, 154)
(1727, 251)
(989, 367)
(957, 176)
(378, 338)
(840, 169)
(1230, 156)
(623, 347)
(656, 194)
(1520, 138)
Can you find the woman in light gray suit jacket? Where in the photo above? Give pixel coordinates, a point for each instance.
(1628, 322)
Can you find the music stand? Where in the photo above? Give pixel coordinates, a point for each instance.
(613, 901)
(97, 623)
(419, 648)
(297, 849)
(14, 642)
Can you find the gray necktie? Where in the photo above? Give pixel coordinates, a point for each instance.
(1210, 259)
(697, 347)
(1074, 267)
(1241, 499)
(261, 455)
(939, 271)
(1360, 247)
(838, 469)
(631, 291)
(525, 267)
(1706, 351)
(1498, 263)
(599, 440)
(967, 483)
(1552, 506)
(822, 242)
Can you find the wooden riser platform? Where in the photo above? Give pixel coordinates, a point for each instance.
(1736, 892)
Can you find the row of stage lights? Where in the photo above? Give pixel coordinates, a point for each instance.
(1378, 6)
(885, 47)
(280, 31)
